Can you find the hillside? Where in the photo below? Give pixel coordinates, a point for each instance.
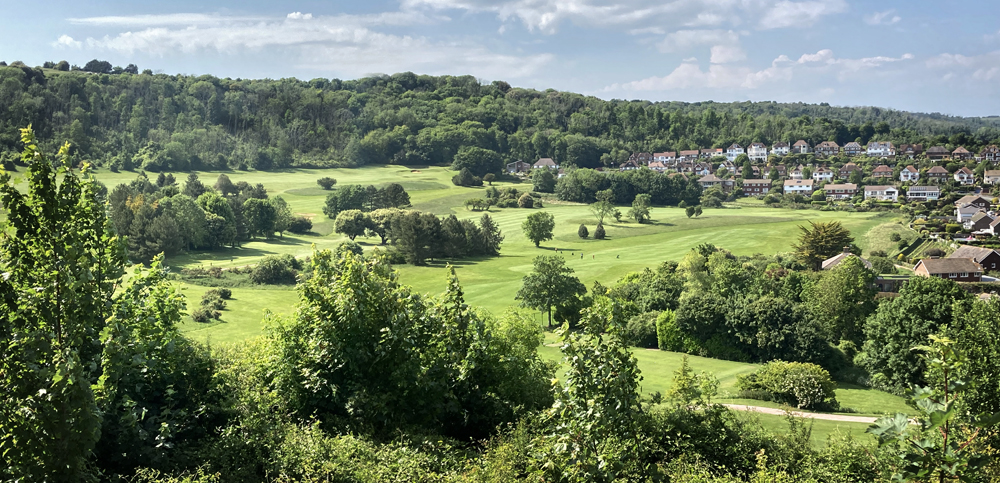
(163, 122)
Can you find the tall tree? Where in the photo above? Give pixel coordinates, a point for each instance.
(640, 208)
(549, 285)
(538, 227)
(821, 241)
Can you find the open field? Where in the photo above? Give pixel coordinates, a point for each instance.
(491, 283)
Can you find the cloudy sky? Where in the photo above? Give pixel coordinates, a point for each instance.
(918, 55)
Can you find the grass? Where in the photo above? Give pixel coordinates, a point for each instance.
(821, 430)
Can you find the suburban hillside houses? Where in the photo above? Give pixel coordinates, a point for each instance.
(828, 148)
(923, 193)
(802, 187)
(955, 269)
(878, 149)
(757, 152)
(909, 174)
(841, 191)
(882, 193)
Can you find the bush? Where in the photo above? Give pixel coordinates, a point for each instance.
(274, 269)
(348, 247)
(222, 293)
(300, 225)
(507, 203)
(641, 330)
(895, 237)
(599, 232)
(213, 302)
(670, 338)
(525, 201)
(205, 314)
(582, 232)
(801, 384)
(952, 228)
(326, 182)
(934, 252)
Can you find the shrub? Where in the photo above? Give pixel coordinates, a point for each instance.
(801, 384)
(934, 252)
(326, 182)
(507, 203)
(670, 338)
(213, 302)
(895, 237)
(222, 293)
(525, 201)
(599, 232)
(204, 314)
(952, 228)
(300, 225)
(348, 246)
(274, 269)
(641, 330)
(582, 232)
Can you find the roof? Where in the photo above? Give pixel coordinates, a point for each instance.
(735, 146)
(668, 154)
(657, 164)
(910, 168)
(937, 170)
(780, 144)
(835, 260)
(711, 178)
(850, 167)
(969, 199)
(926, 189)
(937, 150)
(757, 145)
(964, 170)
(841, 186)
(980, 215)
(689, 152)
(853, 144)
(757, 181)
(949, 265)
(801, 142)
(828, 144)
(960, 150)
(882, 169)
(799, 182)
(969, 209)
(879, 188)
(545, 162)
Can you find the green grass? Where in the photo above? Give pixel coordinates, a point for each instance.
(878, 238)
(821, 430)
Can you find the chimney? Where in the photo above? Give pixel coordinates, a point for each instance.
(847, 249)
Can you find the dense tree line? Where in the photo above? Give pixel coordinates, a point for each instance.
(163, 217)
(120, 118)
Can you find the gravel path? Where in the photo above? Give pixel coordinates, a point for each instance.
(781, 412)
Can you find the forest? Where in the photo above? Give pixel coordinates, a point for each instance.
(123, 119)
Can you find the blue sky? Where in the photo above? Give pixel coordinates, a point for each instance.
(916, 55)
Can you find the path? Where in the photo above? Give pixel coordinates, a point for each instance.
(781, 412)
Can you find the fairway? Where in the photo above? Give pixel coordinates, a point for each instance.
(489, 283)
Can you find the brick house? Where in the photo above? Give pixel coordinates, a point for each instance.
(955, 269)
(801, 147)
(828, 148)
(910, 150)
(882, 193)
(974, 200)
(711, 181)
(847, 169)
(756, 187)
(909, 174)
(853, 149)
(518, 167)
(923, 193)
(965, 176)
(803, 187)
(882, 171)
(987, 258)
(641, 158)
(937, 174)
(842, 191)
(980, 222)
(937, 153)
(961, 153)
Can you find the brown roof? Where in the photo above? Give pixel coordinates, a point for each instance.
(837, 259)
(992, 172)
(545, 162)
(949, 265)
(937, 170)
(798, 182)
(842, 186)
(711, 178)
(910, 168)
(964, 170)
(689, 152)
(879, 188)
(780, 144)
(960, 150)
(882, 169)
(757, 181)
(937, 150)
(801, 142)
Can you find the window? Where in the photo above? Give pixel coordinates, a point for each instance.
(965, 275)
(952, 275)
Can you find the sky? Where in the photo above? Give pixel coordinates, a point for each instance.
(916, 55)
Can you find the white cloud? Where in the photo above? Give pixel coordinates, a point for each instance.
(887, 17)
(985, 67)
(546, 15)
(726, 46)
(65, 41)
(722, 54)
(348, 44)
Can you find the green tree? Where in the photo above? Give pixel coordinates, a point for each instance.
(478, 161)
(491, 236)
(697, 211)
(223, 185)
(489, 178)
(640, 208)
(466, 178)
(282, 214)
(820, 241)
(193, 187)
(260, 217)
(582, 232)
(689, 211)
(543, 180)
(550, 284)
(353, 223)
(599, 233)
(747, 172)
(525, 201)
(538, 227)
(416, 235)
(843, 298)
(326, 182)
(601, 210)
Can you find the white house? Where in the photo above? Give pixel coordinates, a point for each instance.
(923, 193)
(801, 147)
(803, 187)
(991, 176)
(965, 176)
(757, 152)
(665, 158)
(909, 174)
(780, 149)
(966, 212)
(545, 163)
(881, 149)
(882, 193)
(822, 175)
(734, 151)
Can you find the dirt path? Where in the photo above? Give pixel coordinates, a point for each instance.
(781, 412)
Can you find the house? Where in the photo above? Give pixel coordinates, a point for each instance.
(882, 193)
(890, 283)
(987, 258)
(730, 166)
(882, 171)
(822, 175)
(961, 153)
(990, 153)
(803, 187)
(847, 169)
(780, 149)
(545, 163)
(974, 200)
(518, 167)
(734, 151)
(937, 174)
(965, 176)
(995, 227)
(843, 191)
(712, 152)
(965, 213)
(712, 180)
(991, 176)
(923, 193)
(801, 147)
(832, 262)
(756, 172)
(938, 153)
(666, 157)
(641, 159)
(852, 149)
(910, 150)
(756, 187)
(981, 222)
(955, 269)
(702, 169)
(757, 152)
(658, 166)
(828, 148)
(630, 165)
(878, 149)
(689, 155)
(909, 174)
(780, 168)
(797, 172)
